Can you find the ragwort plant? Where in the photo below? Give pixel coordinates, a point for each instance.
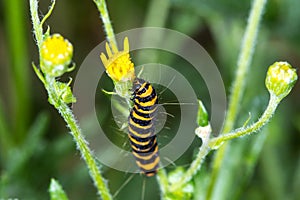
(56, 53)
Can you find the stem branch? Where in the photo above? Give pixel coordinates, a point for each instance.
(273, 103)
(214, 143)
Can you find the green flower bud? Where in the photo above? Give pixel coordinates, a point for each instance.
(281, 78)
(65, 92)
(56, 55)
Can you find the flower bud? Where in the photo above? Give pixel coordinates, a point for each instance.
(281, 78)
(65, 91)
(56, 55)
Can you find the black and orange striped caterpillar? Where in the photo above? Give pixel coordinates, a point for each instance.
(141, 128)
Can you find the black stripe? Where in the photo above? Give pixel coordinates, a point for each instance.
(147, 98)
(141, 130)
(144, 147)
(146, 108)
(150, 150)
(142, 114)
(144, 89)
(139, 121)
(139, 139)
(149, 171)
(144, 161)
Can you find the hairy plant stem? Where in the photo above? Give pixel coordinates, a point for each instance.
(268, 113)
(245, 58)
(101, 5)
(37, 29)
(195, 166)
(69, 118)
(55, 98)
(215, 143)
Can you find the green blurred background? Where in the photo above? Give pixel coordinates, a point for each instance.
(34, 141)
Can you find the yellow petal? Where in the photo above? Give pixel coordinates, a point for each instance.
(104, 59)
(114, 48)
(126, 45)
(108, 50)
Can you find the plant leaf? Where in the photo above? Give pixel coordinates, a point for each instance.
(56, 191)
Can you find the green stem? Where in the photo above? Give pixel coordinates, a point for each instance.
(69, 118)
(216, 142)
(245, 58)
(5, 139)
(65, 111)
(157, 13)
(195, 166)
(101, 5)
(37, 29)
(273, 103)
(162, 179)
(16, 39)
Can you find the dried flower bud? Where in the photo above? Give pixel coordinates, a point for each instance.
(56, 55)
(281, 78)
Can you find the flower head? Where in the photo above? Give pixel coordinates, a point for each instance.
(118, 64)
(281, 78)
(56, 55)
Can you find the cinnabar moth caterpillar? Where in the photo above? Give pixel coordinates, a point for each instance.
(141, 128)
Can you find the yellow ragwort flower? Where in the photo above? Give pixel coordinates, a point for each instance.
(56, 55)
(118, 64)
